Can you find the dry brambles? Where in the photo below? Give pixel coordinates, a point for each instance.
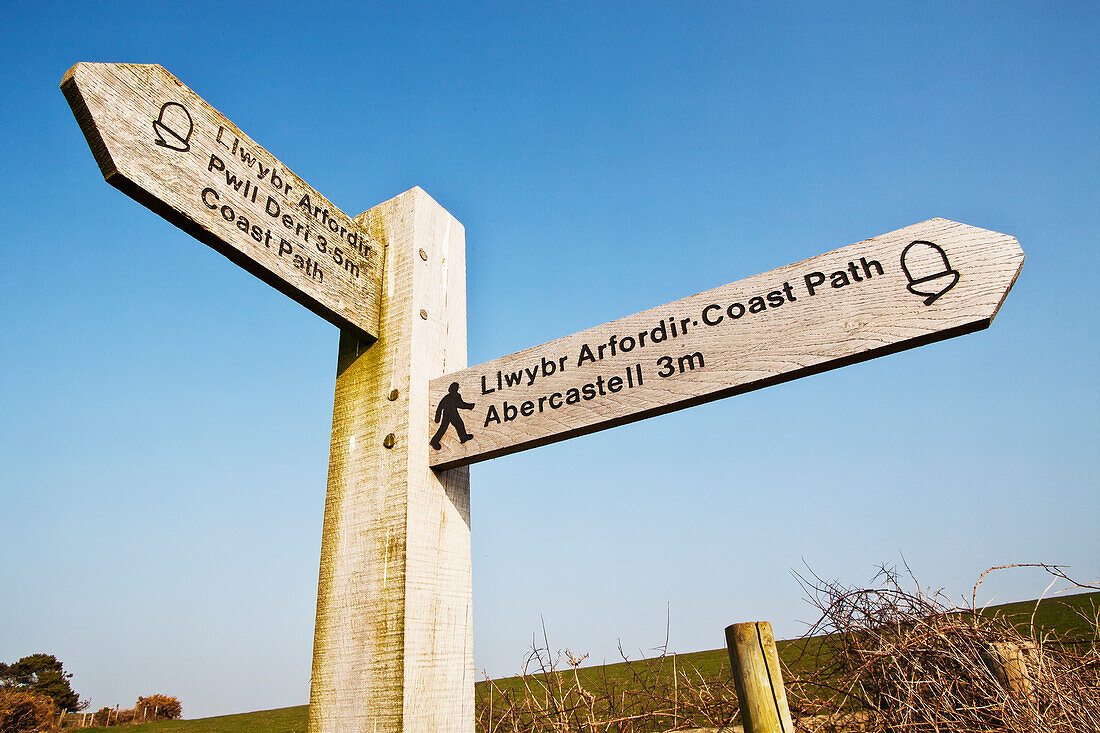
(890, 658)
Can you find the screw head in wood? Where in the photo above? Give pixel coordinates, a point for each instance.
(423, 255)
(389, 441)
(393, 395)
(424, 314)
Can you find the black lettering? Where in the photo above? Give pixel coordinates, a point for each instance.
(813, 280)
(689, 360)
(658, 331)
(235, 183)
(706, 318)
(868, 264)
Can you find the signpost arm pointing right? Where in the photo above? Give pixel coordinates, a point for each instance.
(903, 289)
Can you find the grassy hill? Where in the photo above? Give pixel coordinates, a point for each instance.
(1061, 617)
(283, 720)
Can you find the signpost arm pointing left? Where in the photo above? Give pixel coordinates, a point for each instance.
(164, 146)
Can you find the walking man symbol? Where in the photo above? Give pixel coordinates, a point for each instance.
(448, 409)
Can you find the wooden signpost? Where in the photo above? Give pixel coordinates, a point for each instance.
(913, 286)
(393, 643)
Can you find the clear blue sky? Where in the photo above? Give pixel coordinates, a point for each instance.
(164, 417)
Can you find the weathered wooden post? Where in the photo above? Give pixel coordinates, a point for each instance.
(754, 661)
(1009, 663)
(394, 643)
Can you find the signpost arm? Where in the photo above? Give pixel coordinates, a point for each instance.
(393, 647)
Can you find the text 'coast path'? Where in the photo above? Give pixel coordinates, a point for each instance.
(923, 283)
(161, 144)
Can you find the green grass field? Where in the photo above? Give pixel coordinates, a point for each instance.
(283, 720)
(1060, 616)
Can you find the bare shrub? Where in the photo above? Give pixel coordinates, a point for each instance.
(898, 659)
(25, 712)
(887, 658)
(553, 694)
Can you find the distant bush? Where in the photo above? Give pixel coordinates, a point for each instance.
(42, 674)
(157, 707)
(102, 716)
(25, 712)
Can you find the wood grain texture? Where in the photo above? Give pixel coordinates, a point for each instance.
(394, 637)
(754, 662)
(164, 146)
(838, 308)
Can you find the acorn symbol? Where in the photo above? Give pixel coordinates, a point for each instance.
(173, 127)
(930, 274)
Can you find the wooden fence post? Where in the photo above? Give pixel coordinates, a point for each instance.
(755, 665)
(1008, 662)
(393, 646)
